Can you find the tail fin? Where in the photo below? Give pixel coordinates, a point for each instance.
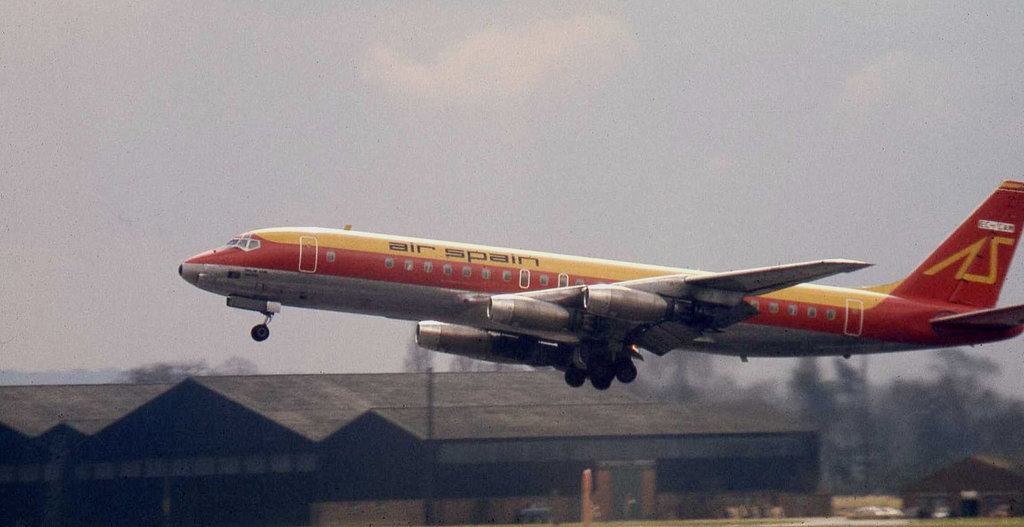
(970, 266)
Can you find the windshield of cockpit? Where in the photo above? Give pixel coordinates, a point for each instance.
(244, 242)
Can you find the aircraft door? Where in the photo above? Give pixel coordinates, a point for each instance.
(854, 317)
(308, 252)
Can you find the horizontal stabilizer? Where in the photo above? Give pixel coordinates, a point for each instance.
(997, 318)
(767, 279)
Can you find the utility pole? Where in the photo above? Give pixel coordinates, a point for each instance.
(428, 506)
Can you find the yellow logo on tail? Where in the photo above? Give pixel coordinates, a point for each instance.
(968, 255)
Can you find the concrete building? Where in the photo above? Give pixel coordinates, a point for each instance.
(976, 486)
(322, 449)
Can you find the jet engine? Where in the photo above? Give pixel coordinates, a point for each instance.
(526, 312)
(623, 303)
(480, 344)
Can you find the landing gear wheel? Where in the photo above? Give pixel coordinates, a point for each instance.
(260, 332)
(625, 372)
(601, 383)
(575, 377)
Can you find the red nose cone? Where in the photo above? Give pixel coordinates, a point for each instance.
(203, 257)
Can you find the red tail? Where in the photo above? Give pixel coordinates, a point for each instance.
(970, 266)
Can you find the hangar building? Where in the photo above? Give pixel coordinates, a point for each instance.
(335, 449)
(975, 486)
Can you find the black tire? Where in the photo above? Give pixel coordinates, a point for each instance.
(575, 377)
(260, 332)
(626, 372)
(601, 383)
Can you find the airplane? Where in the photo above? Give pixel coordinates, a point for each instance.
(590, 317)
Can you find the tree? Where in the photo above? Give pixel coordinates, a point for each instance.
(169, 372)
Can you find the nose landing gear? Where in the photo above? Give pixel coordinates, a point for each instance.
(261, 332)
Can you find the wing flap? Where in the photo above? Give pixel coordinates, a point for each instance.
(996, 318)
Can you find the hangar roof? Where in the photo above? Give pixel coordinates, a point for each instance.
(980, 473)
(524, 404)
(626, 419)
(86, 408)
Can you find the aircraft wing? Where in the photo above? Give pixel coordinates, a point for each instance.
(996, 318)
(729, 288)
(715, 299)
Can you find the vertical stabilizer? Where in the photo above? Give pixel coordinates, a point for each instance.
(970, 266)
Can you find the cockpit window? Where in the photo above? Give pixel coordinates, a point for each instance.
(244, 242)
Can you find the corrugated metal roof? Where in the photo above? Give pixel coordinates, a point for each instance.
(528, 404)
(87, 408)
(636, 419)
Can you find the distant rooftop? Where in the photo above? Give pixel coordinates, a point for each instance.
(467, 406)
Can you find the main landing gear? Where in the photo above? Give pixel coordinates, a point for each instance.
(601, 374)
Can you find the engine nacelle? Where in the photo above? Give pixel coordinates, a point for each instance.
(526, 312)
(480, 344)
(623, 303)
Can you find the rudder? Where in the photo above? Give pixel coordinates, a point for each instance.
(970, 266)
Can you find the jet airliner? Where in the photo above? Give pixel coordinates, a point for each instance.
(589, 317)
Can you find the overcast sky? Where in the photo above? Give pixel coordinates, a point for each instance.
(706, 135)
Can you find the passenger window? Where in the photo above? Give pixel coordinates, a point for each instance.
(524, 278)
(812, 312)
(579, 281)
(563, 280)
(506, 275)
(543, 280)
(447, 269)
(409, 264)
(793, 309)
(467, 271)
(389, 262)
(830, 314)
(486, 273)
(330, 256)
(773, 307)
(755, 305)
(428, 266)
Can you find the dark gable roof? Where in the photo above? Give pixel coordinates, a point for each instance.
(526, 404)
(629, 419)
(980, 473)
(316, 406)
(87, 408)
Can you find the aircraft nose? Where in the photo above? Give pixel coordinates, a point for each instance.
(189, 271)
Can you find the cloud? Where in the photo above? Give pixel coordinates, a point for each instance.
(496, 63)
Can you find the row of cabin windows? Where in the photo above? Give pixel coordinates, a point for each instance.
(485, 273)
(793, 310)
